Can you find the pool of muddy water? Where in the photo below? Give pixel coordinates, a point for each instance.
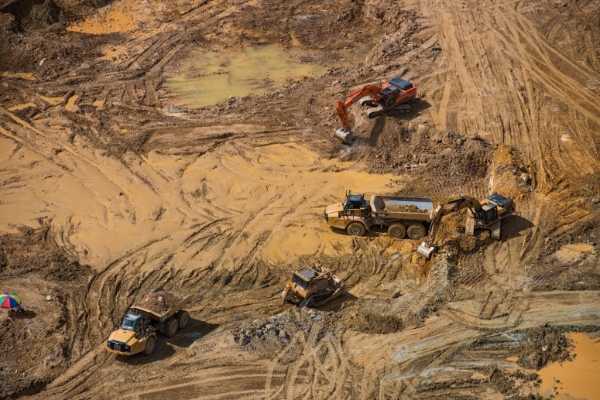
(577, 378)
(210, 77)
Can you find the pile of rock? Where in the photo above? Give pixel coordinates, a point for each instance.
(270, 328)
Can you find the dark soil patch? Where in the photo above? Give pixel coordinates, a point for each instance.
(371, 323)
(36, 251)
(543, 345)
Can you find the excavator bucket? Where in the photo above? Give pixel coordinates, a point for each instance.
(345, 135)
(426, 250)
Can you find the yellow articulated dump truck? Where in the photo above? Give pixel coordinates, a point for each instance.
(159, 311)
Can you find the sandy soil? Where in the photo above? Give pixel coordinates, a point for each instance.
(111, 187)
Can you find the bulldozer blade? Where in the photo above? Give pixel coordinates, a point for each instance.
(339, 292)
(425, 250)
(345, 135)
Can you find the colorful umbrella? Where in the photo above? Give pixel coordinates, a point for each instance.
(10, 300)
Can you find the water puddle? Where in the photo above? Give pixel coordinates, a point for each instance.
(577, 378)
(22, 106)
(51, 100)
(71, 103)
(19, 75)
(212, 77)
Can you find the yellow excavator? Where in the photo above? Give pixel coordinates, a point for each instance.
(487, 214)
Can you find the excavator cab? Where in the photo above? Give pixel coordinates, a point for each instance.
(395, 92)
(488, 214)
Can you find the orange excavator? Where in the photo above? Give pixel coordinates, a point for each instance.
(387, 99)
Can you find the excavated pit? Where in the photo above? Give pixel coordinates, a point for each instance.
(139, 186)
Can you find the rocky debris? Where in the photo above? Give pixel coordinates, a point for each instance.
(276, 327)
(279, 329)
(158, 302)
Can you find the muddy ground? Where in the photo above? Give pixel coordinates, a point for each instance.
(110, 188)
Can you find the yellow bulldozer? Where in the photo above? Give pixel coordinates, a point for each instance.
(312, 287)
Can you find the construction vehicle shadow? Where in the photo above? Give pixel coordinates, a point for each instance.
(514, 226)
(167, 347)
(339, 303)
(27, 314)
(372, 233)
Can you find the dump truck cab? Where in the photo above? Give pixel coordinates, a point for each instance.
(132, 322)
(131, 336)
(354, 209)
(138, 328)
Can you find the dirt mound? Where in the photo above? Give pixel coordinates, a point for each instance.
(158, 302)
(408, 209)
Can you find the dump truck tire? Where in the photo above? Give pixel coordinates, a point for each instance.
(356, 229)
(150, 346)
(397, 231)
(416, 231)
(171, 327)
(183, 318)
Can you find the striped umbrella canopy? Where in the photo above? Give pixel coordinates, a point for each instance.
(10, 300)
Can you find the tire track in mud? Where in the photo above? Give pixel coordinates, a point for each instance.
(502, 30)
(320, 367)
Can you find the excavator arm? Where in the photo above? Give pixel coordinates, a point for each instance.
(426, 248)
(342, 105)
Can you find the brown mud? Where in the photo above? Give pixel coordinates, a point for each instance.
(224, 200)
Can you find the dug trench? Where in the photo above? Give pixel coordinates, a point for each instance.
(135, 191)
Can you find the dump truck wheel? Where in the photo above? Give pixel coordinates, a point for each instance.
(171, 327)
(150, 345)
(183, 318)
(356, 229)
(416, 231)
(397, 231)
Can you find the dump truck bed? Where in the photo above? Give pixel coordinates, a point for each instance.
(162, 317)
(381, 206)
